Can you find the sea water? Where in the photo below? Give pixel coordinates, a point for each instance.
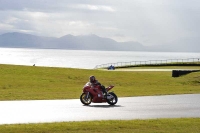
(85, 59)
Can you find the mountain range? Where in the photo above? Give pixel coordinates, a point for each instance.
(81, 42)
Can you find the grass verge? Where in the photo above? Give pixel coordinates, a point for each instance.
(179, 125)
(33, 83)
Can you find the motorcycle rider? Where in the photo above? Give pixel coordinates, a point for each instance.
(93, 82)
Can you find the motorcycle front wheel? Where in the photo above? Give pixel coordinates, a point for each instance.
(86, 100)
(113, 98)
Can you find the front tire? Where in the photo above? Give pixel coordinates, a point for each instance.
(113, 100)
(85, 100)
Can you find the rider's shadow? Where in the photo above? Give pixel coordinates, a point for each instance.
(103, 106)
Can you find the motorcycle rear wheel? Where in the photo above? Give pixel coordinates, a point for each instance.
(85, 100)
(113, 100)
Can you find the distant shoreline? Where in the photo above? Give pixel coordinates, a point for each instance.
(85, 42)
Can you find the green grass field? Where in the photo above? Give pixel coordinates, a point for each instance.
(32, 83)
(182, 125)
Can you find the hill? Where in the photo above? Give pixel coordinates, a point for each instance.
(90, 42)
(86, 42)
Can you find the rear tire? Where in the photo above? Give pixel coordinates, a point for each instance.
(113, 100)
(84, 100)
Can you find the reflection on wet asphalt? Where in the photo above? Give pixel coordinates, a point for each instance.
(147, 107)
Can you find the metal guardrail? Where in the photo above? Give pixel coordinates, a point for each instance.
(150, 62)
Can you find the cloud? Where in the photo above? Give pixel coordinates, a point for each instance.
(94, 7)
(150, 22)
(4, 26)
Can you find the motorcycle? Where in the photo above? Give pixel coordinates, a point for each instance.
(95, 95)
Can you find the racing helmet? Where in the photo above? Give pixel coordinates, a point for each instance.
(92, 79)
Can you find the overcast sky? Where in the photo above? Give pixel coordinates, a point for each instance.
(150, 22)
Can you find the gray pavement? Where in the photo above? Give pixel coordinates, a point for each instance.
(148, 70)
(147, 107)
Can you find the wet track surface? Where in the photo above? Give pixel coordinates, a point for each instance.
(148, 107)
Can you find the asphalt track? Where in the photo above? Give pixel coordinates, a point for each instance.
(147, 107)
(147, 70)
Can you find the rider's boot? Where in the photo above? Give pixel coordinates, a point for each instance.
(105, 95)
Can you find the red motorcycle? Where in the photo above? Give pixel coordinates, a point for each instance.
(95, 95)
